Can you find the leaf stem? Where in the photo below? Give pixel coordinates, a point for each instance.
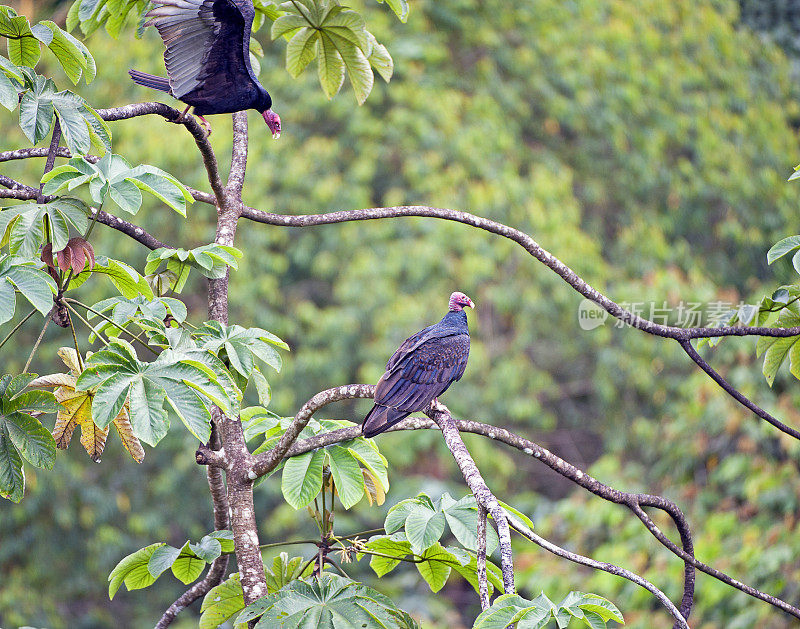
(38, 341)
(86, 323)
(75, 340)
(133, 336)
(17, 327)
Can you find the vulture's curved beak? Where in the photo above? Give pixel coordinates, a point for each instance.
(471, 303)
(273, 121)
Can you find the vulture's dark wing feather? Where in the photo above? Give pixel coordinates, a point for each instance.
(207, 45)
(423, 373)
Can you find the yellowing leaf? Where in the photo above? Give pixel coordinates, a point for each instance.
(77, 410)
(123, 425)
(373, 488)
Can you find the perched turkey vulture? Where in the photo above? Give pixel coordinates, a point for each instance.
(421, 369)
(208, 58)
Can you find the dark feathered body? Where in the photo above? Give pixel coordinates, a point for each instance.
(207, 56)
(421, 369)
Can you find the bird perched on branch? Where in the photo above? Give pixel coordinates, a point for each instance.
(421, 369)
(208, 58)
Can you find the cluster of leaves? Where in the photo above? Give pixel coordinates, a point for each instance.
(22, 435)
(114, 177)
(26, 227)
(338, 39)
(355, 468)
(25, 42)
(142, 568)
(212, 261)
(226, 600)
(40, 103)
(511, 610)
(314, 29)
(76, 410)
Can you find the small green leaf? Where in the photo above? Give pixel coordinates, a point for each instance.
(133, 571)
(424, 527)
(346, 476)
(222, 603)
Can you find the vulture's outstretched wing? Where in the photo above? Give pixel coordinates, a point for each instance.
(207, 44)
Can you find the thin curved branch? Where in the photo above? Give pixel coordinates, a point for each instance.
(527, 243)
(134, 110)
(129, 229)
(483, 495)
(635, 502)
(23, 191)
(549, 546)
(736, 395)
(213, 578)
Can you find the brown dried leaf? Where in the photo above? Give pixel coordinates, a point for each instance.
(122, 423)
(62, 432)
(64, 258)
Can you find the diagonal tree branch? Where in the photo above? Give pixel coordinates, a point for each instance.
(483, 495)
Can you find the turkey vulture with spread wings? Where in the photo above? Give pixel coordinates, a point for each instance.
(208, 58)
(421, 369)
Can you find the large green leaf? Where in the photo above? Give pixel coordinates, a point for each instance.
(346, 476)
(513, 610)
(302, 478)
(12, 476)
(435, 569)
(462, 518)
(35, 285)
(133, 571)
(187, 385)
(24, 226)
(327, 601)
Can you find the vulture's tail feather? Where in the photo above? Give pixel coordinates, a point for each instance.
(381, 418)
(149, 80)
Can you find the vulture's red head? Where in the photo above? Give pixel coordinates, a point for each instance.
(459, 301)
(273, 121)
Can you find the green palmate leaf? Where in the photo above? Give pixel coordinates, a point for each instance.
(424, 527)
(189, 387)
(370, 458)
(225, 539)
(69, 55)
(123, 183)
(435, 569)
(589, 610)
(302, 478)
(23, 226)
(133, 571)
(346, 476)
(222, 603)
(318, 601)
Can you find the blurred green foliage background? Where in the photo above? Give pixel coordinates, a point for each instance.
(646, 144)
